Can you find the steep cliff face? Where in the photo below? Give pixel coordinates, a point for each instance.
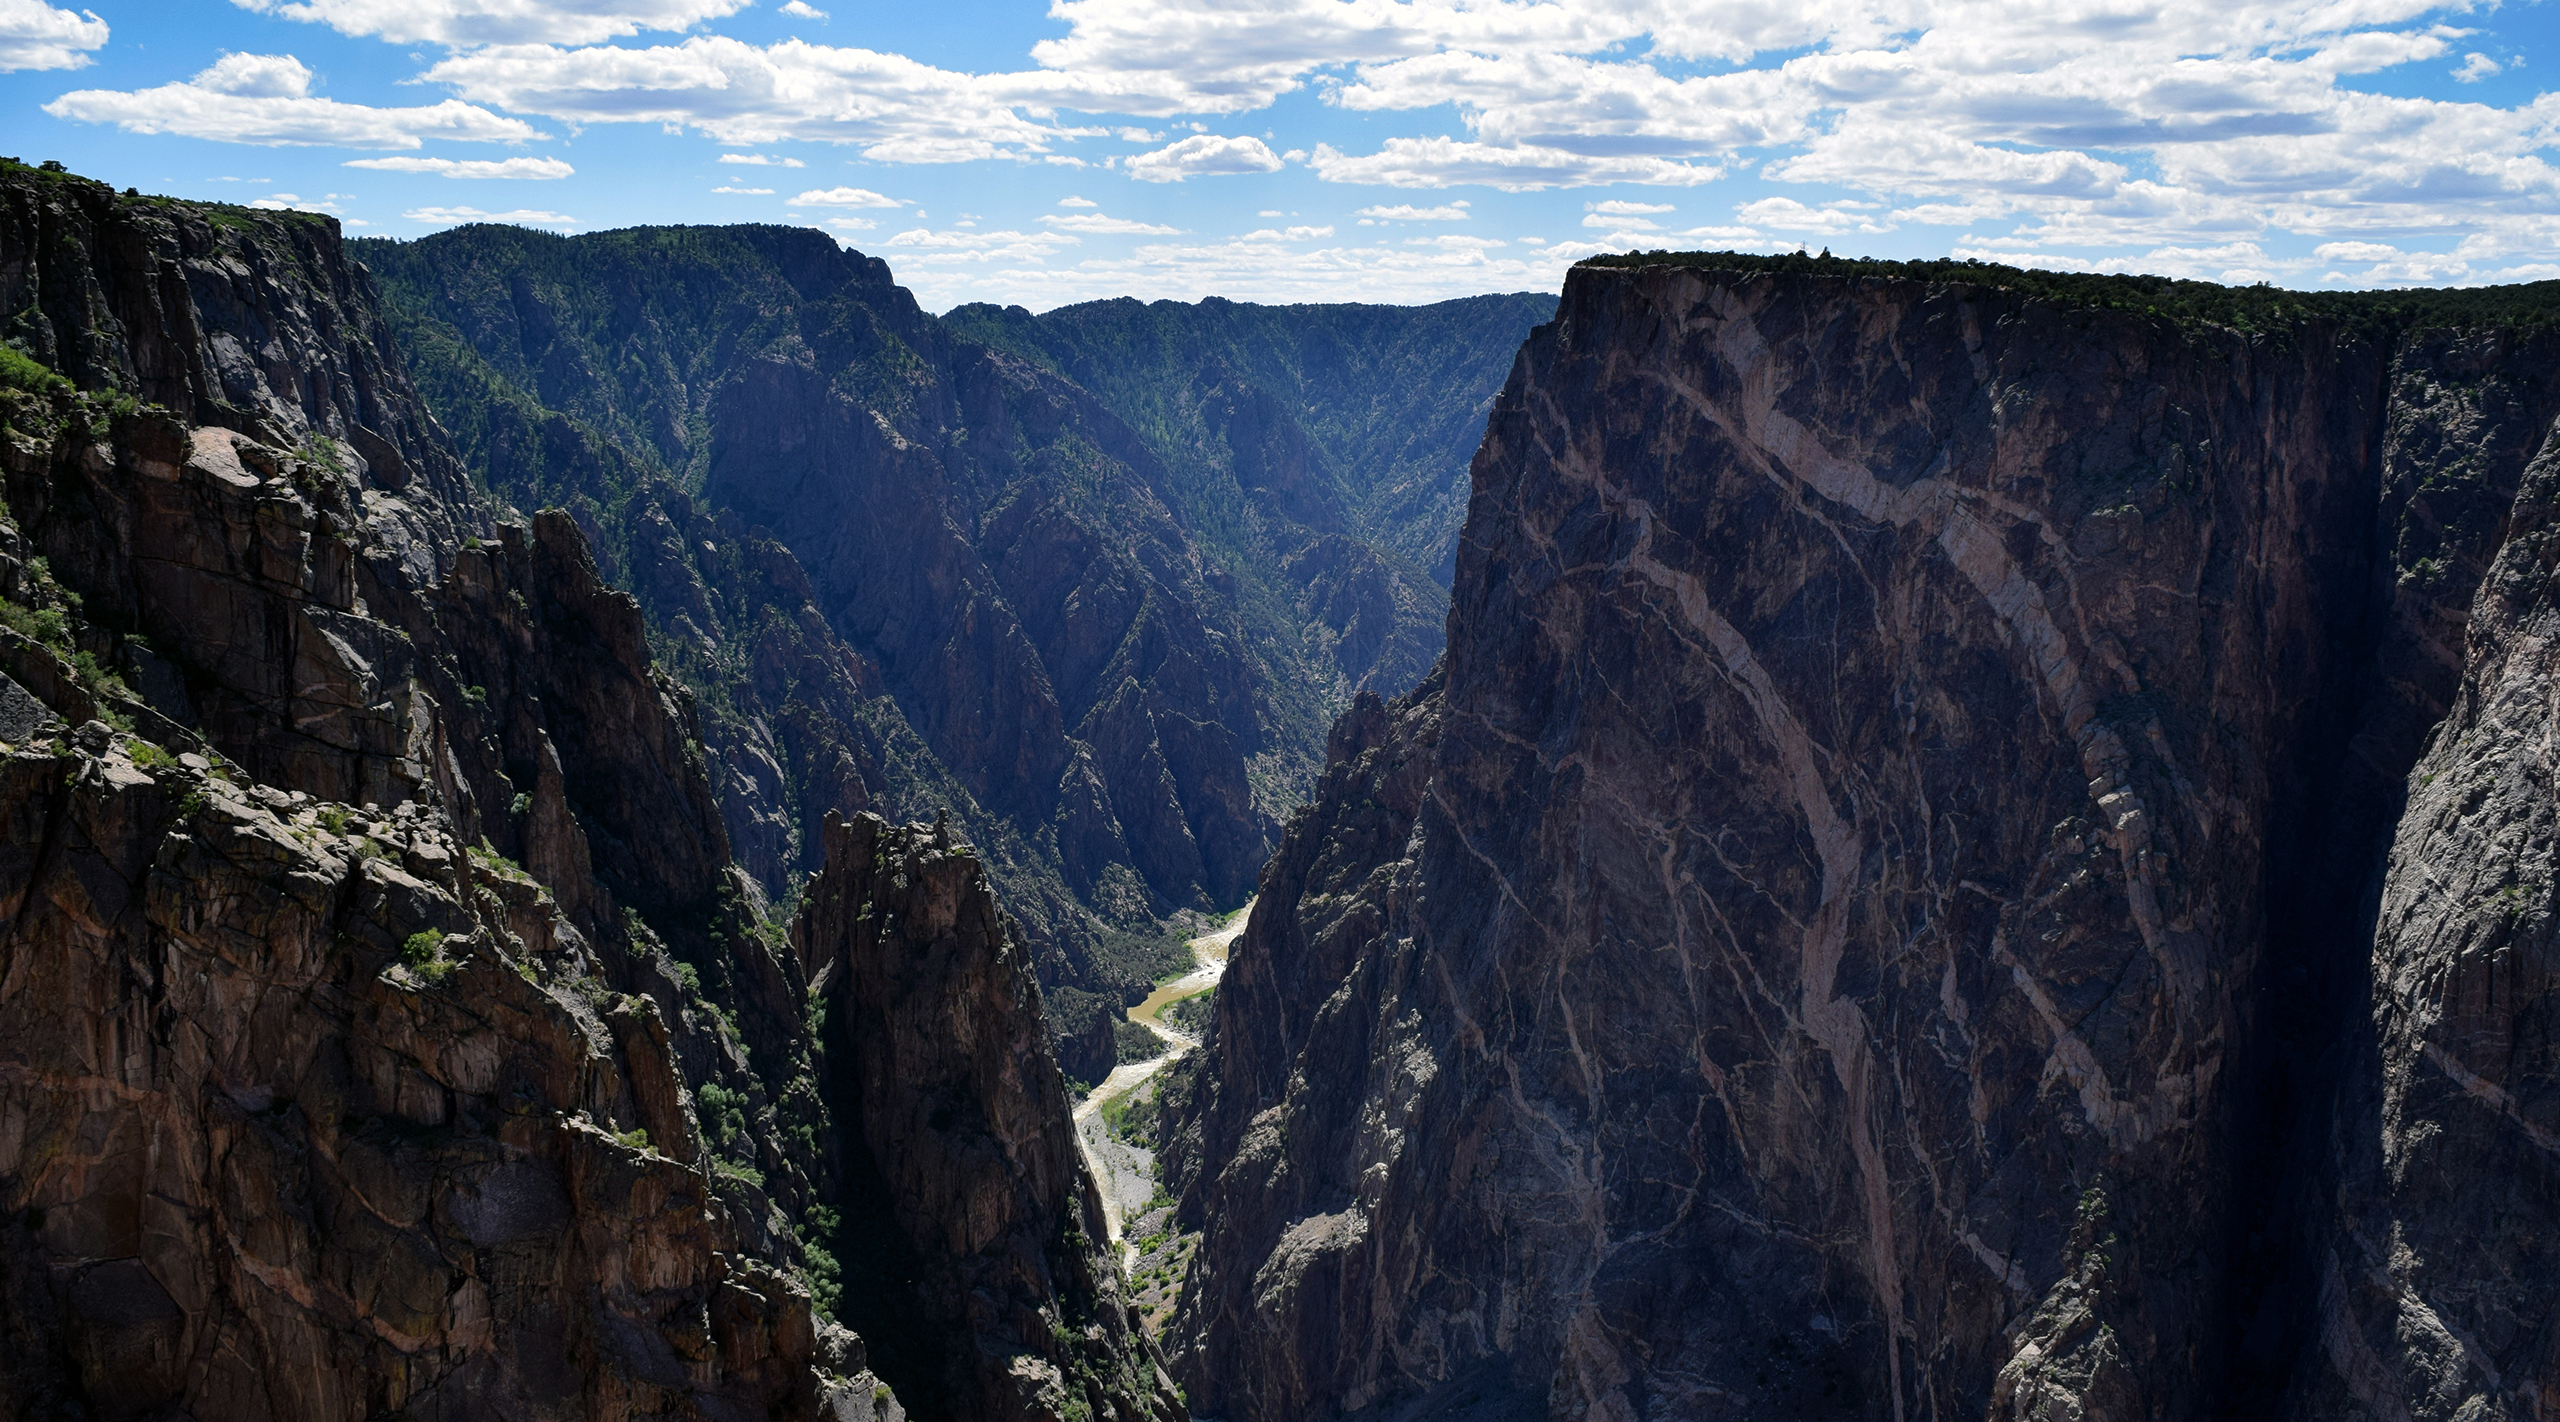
(965, 1167)
(2434, 1276)
(311, 1113)
(1857, 930)
(389, 1029)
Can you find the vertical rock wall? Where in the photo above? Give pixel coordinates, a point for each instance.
(1904, 749)
(966, 1179)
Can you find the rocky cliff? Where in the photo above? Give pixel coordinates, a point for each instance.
(965, 1167)
(1872, 917)
(388, 1028)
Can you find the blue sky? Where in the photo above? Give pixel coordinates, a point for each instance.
(1386, 150)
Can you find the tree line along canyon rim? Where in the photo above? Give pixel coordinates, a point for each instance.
(634, 825)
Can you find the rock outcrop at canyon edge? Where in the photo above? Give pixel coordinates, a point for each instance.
(385, 1028)
(1872, 917)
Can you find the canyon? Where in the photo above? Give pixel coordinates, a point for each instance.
(1815, 838)
(1093, 583)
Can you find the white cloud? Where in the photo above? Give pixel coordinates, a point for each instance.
(1293, 234)
(2476, 67)
(844, 197)
(1445, 162)
(897, 109)
(743, 192)
(1788, 215)
(951, 247)
(526, 168)
(456, 216)
(34, 35)
(1259, 266)
(1407, 212)
(803, 10)
(478, 22)
(287, 202)
(1204, 155)
(2354, 251)
(1077, 202)
(852, 224)
(761, 160)
(1619, 207)
(1097, 223)
(2074, 128)
(266, 99)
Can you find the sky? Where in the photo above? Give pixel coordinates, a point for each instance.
(1350, 150)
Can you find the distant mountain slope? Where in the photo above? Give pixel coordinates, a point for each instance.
(1344, 418)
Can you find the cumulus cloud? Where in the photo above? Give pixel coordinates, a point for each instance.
(529, 168)
(1204, 155)
(761, 160)
(1446, 162)
(949, 247)
(897, 109)
(2355, 251)
(1096, 222)
(803, 10)
(1072, 201)
(287, 202)
(34, 35)
(1264, 265)
(1788, 215)
(266, 99)
(844, 197)
(1407, 212)
(743, 192)
(456, 216)
(478, 22)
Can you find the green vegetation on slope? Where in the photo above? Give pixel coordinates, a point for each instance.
(1342, 417)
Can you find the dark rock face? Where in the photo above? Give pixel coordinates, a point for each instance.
(254, 322)
(953, 1109)
(2435, 1281)
(385, 1028)
(1854, 928)
(259, 1162)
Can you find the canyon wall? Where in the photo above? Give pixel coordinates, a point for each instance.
(1869, 918)
(389, 1030)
